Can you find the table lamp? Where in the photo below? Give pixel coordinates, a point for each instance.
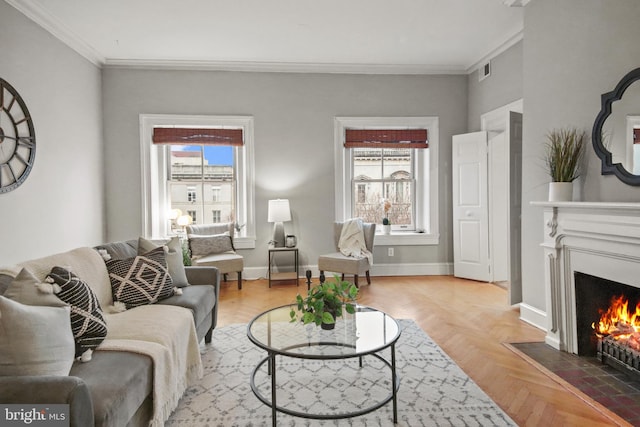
(279, 212)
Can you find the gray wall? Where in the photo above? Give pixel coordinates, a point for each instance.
(293, 141)
(60, 205)
(574, 50)
(503, 86)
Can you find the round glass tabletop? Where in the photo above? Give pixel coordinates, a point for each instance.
(367, 331)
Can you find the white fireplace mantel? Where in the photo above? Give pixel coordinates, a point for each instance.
(600, 239)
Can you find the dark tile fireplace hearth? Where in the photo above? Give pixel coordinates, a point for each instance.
(612, 390)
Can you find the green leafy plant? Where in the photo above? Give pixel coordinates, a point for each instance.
(186, 254)
(324, 302)
(564, 151)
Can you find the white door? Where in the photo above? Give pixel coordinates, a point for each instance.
(470, 211)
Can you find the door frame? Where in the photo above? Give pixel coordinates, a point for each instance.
(498, 121)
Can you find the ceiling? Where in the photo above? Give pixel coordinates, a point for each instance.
(373, 36)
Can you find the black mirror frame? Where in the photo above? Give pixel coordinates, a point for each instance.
(609, 168)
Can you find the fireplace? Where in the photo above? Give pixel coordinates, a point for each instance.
(596, 243)
(594, 296)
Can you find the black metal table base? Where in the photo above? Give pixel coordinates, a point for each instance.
(271, 359)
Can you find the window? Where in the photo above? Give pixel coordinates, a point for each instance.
(384, 174)
(191, 191)
(385, 161)
(194, 163)
(197, 166)
(215, 194)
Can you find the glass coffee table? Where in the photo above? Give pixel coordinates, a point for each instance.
(365, 333)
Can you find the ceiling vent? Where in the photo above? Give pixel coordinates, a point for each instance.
(484, 71)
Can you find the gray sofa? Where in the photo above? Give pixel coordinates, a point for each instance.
(115, 387)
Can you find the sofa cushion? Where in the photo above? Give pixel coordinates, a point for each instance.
(199, 299)
(207, 245)
(143, 279)
(87, 320)
(27, 289)
(227, 262)
(175, 263)
(35, 340)
(116, 398)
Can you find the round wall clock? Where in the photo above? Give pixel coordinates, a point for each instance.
(17, 139)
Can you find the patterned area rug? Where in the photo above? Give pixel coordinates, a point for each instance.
(434, 391)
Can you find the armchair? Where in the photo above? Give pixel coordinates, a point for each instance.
(218, 237)
(338, 263)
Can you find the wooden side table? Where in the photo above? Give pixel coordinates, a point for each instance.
(284, 275)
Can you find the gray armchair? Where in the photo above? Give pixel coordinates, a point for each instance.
(228, 261)
(336, 262)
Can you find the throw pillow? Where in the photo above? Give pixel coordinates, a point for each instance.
(35, 340)
(27, 289)
(175, 263)
(141, 280)
(208, 245)
(87, 321)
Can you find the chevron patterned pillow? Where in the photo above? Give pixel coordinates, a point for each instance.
(87, 321)
(140, 280)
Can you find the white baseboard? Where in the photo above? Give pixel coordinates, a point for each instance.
(533, 316)
(429, 269)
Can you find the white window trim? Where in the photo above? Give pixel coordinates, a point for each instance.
(425, 206)
(154, 204)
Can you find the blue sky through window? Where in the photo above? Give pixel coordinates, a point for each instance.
(214, 154)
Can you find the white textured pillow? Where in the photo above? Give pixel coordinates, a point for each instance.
(207, 245)
(27, 289)
(35, 340)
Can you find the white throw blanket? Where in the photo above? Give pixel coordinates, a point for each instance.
(352, 242)
(167, 334)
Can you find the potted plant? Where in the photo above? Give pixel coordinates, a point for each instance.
(386, 224)
(564, 151)
(324, 303)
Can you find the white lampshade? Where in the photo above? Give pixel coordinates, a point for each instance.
(279, 211)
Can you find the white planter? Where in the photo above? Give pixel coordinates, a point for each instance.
(386, 229)
(560, 191)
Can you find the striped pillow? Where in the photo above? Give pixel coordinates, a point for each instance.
(87, 321)
(140, 280)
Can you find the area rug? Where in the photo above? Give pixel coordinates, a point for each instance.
(434, 391)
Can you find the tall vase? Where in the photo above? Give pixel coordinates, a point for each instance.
(386, 229)
(560, 191)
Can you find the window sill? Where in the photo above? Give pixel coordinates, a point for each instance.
(245, 242)
(403, 238)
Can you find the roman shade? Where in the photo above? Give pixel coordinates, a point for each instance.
(188, 136)
(386, 138)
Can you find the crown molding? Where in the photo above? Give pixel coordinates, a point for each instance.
(47, 21)
(283, 67)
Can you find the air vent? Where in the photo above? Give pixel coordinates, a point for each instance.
(484, 71)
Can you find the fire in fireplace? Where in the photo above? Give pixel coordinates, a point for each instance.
(620, 323)
(601, 303)
(618, 332)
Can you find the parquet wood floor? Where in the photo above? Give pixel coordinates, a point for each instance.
(470, 321)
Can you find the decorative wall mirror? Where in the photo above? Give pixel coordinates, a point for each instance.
(616, 131)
